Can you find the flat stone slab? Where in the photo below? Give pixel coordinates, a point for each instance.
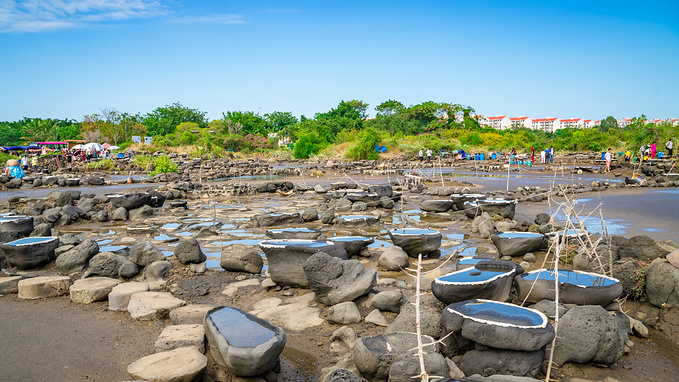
(10, 284)
(120, 295)
(146, 306)
(178, 365)
(43, 287)
(177, 336)
(673, 258)
(295, 317)
(92, 289)
(189, 314)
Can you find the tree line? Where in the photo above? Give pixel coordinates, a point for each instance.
(345, 129)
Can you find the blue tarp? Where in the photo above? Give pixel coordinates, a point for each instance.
(16, 172)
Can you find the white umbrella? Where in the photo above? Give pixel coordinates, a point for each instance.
(77, 147)
(93, 146)
(113, 148)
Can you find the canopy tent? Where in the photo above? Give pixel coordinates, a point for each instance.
(93, 146)
(113, 148)
(78, 147)
(106, 146)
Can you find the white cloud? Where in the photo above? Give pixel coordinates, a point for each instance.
(18, 16)
(217, 18)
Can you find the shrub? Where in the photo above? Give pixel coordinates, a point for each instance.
(364, 148)
(102, 164)
(308, 144)
(143, 161)
(639, 279)
(162, 165)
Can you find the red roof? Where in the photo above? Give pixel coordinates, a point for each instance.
(498, 117)
(518, 119)
(587, 120)
(570, 120)
(544, 120)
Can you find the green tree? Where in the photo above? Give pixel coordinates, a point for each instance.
(164, 120)
(11, 133)
(308, 144)
(249, 122)
(608, 123)
(364, 148)
(280, 121)
(389, 108)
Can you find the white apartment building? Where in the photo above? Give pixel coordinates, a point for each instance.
(624, 122)
(549, 124)
(500, 122)
(571, 122)
(521, 121)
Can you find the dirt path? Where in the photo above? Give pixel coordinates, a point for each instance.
(57, 340)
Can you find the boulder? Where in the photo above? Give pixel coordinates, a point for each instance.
(483, 224)
(244, 344)
(269, 220)
(293, 233)
(77, 258)
(42, 229)
(241, 258)
(120, 214)
(375, 355)
(589, 334)
(342, 340)
(189, 314)
(178, 336)
(390, 300)
(416, 241)
(128, 269)
(641, 248)
(286, 259)
(130, 201)
(105, 264)
(662, 283)
(100, 216)
(148, 306)
(437, 205)
(335, 280)
(517, 243)
(141, 213)
(498, 325)
(504, 362)
(393, 259)
(189, 252)
(30, 252)
(376, 317)
(430, 317)
(327, 216)
(43, 287)
(575, 287)
(18, 224)
(157, 270)
(310, 215)
(352, 244)
(408, 368)
(344, 313)
(488, 279)
(95, 181)
(178, 365)
(86, 291)
(144, 253)
(9, 285)
(342, 375)
(120, 295)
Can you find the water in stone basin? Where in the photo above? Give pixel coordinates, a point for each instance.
(171, 226)
(380, 244)
(502, 313)
(349, 238)
(516, 235)
(297, 243)
(293, 230)
(164, 237)
(355, 217)
(241, 232)
(238, 329)
(30, 240)
(242, 241)
(111, 248)
(12, 218)
(413, 232)
(571, 277)
(471, 275)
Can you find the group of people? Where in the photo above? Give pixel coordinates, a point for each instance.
(650, 150)
(546, 155)
(421, 155)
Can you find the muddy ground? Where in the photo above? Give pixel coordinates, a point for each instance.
(58, 340)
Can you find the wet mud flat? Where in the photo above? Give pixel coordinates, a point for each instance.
(306, 352)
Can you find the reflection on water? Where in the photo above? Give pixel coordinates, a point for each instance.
(571, 277)
(499, 312)
(470, 275)
(240, 329)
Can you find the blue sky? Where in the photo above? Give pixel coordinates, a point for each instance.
(589, 59)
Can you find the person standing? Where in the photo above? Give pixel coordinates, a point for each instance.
(670, 146)
(551, 154)
(653, 150)
(642, 152)
(428, 155)
(24, 163)
(532, 155)
(608, 157)
(542, 156)
(34, 162)
(421, 155)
